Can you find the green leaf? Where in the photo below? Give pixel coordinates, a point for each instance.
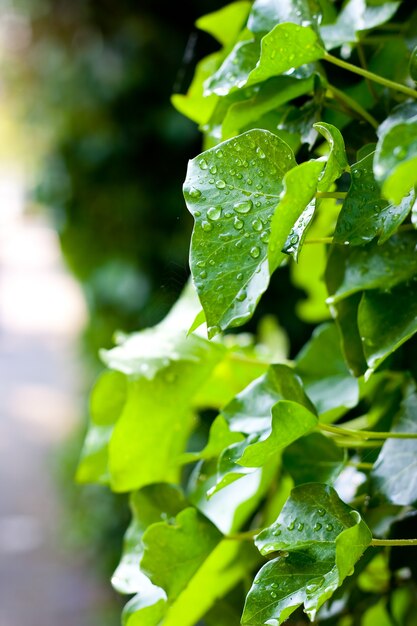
(194, 104)
(314, 458)
(232, 210)
(336, 160)
(251, 411)
(345, 313)
(226, 23)
(372, 266)
(220, 438)
(365, 214)
(298, 233)
(323, 371)
(395, 164)
(355, 17)
(386, 321)
(173, 552)
(233, 72)
(106, 404)
(394, 473)
(312, 535)
(286, 47)
(290, 421)
(147, 608)
(266, 14)
(300, 187)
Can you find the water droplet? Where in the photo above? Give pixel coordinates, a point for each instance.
(203, 274)
(220, 184)
(203, 164)
(261, 154)
(228, 214)
(255, 252)
(300, 526)
(239, 276)
(294, 239)
(238, 244)
(321, 512)
(329, 527)
(213, 330)
(241, 296)
(276, 532)
(211, 181)
(219, 153)
(213, 169)
(249, 181)
(206, 226)
(274, 586)
(264, 237)
(356, 173)
(291, 525)
(214, 213)
(257, 225)
(197, 213)
(273, 594)
(317, 526)
(256, 581)
(200, 264)
(211, 262)
(194, 192)
(238, 224)
(243, 207)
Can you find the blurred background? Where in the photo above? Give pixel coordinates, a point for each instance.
(93, 238)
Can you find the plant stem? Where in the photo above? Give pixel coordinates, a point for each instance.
(339, 195)
(353, 443)
(353, 105)
(365, 434)
(320, 240)
(246, 536)
(361, 466)
(393, 542)
(371, 76)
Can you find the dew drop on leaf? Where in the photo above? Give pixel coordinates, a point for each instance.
(220, 184)
(243, 207)
(214, 213)
(317, 526)
(257, 225)
(255, 252)
(260, 153)
(194, 192)
(321, 512)
(207, 226)
(329, 527)
(291, 525)
(300, 526)
(238, 224)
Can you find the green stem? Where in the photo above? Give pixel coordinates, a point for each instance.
(246, 536)
(320, 240)
(353, 443)
(361, 466)
(393, 542)
(353, 105)
(371, 76)
(365, 434)
(339, 195)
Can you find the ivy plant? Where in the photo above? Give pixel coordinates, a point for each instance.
(268, 485)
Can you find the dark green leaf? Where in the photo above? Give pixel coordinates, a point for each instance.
(386, 320)
(365, 214)
(232, 210)
(395, 471)
(314, 458)
(311, 535)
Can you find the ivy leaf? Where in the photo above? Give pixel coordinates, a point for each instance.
(173, 552)
(286, 47)
(312, 535)
(355, 17)
(290, 421)
(226, 23)
(300, 187)
(313, 458)
(107, 400)
(147, 608)
(365, 214)
(298, 232)
(386, 321)
(220, 438)
(395, 164)
(336, 161)
(266, 14)
(251, 411)
(232, 210)
(394, 473)
(323, 371)
(233, 72)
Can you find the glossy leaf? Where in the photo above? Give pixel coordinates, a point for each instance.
(226, 23)
(365, 214)
(311, 536)
(395, 164)
(298, 232)
(286, 47)
(232, 210)
(194, 104)
(314, 458)
(233, 72)
(394, 473)
(147, 608)
(336, 160)
(266, 14)
(386, 321)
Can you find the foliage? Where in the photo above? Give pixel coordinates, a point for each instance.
(265, 488)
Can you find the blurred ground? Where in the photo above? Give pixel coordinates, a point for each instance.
(41, 314)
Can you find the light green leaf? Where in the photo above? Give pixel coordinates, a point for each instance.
(314, 560)
(286, 47)
(220, 438)
(365, 214)
(386, 321)
(395, 471)
(323, 371)
(290, 421)
(373, 266)
(147, 608)
(106, 404)
(232, 210)
(251, 411)
(395, 164)
(266, 14)
(298, 232)
(336, 160)
(194, 104)
(356, 16)
(174, 552)
(314, 458)
(300, 187)
(226, 23)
